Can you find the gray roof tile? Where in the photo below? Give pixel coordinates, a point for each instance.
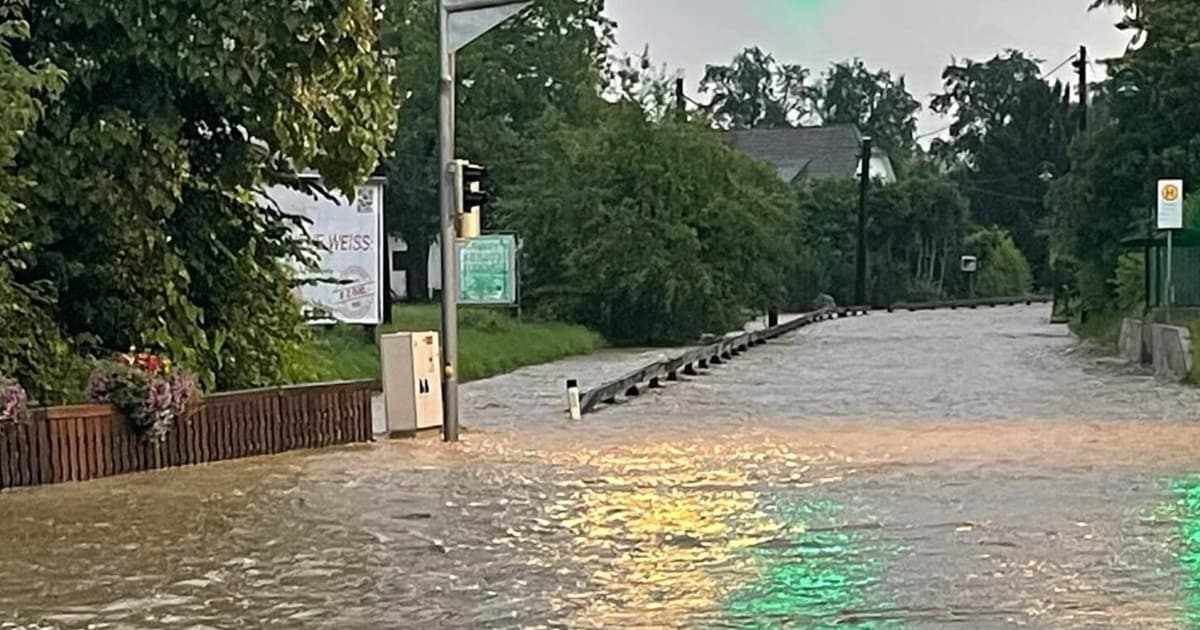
(825, 152)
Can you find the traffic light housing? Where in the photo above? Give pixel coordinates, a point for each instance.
(469, 198)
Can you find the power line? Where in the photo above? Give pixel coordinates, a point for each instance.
(935, 132)
(1044, 75)
(1073, 57)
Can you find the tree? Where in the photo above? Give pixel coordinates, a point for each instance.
(145, 226)
(1146, 126)
(756, 91)
(649, 232)
(551, 56)
(1010, 133)
(637, 80)
(1003, 270)
(880, 105)
(31, 347)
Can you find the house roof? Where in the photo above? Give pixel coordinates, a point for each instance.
(825, 152)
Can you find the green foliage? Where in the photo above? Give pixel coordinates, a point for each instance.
(1101, 327)
(825, 233)
(879, 104)
(756, 91)
(915, 233)
(1003, 270)
(1193, 327)
(1146, 127)
(152, 400)
(1010, 132)
(144, 227)
(550, 57)
(649, 233)
(31, 348)
(1131, 283)
(491, 343)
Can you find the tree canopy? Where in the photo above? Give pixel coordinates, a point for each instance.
(143, 227)
(878, 103)
(754, 91)
(1144, 127)
(1008, 140)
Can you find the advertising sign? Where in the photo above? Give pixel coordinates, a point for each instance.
(350, 234)
(487, 270)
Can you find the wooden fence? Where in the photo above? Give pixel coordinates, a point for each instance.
(81, 442)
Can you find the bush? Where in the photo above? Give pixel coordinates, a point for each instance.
(13, 400)
(1131, 282)
(145, 388)
(1003, 269)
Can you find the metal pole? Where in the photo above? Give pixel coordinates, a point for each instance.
(680, 101)
(449, 238)
(860, 275)
(1170, 278)
(1083, 88)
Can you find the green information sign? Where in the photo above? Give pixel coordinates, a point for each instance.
(487, 270)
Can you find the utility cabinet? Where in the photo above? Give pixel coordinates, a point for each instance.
(412, 383)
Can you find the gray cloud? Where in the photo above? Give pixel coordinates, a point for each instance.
(916, 38)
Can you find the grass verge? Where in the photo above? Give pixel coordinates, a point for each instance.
(1102, 328)
(490, 342)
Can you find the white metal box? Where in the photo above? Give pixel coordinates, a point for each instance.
(412, 383)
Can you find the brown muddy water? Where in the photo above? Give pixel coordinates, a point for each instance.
(936, 470)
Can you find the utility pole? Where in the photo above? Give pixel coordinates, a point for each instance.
(680, 101)
(1081, 64)
(860, 275)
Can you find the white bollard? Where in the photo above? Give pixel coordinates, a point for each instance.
(573, 399)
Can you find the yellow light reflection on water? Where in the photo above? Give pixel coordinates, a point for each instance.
(662, 529)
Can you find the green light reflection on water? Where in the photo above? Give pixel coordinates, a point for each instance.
(812, 578)
(1186, 511)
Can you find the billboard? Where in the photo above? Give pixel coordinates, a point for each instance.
(352, 245)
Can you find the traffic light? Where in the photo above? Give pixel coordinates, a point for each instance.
(469, 197)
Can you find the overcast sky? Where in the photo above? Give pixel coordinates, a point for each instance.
(916, 38)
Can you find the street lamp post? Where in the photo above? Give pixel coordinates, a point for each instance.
(459, 23)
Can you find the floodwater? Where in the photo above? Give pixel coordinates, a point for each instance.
(972, 469)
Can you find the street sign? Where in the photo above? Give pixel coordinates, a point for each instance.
(1170, 204)
(970, 264)
(468, 23)
(487, 270)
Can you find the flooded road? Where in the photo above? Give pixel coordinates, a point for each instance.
(948, 469)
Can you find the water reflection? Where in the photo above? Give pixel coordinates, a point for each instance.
(1187, 512)
(672, 533)
(813, 576)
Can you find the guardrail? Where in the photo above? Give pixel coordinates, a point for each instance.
(701, 357)
(971, 303)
